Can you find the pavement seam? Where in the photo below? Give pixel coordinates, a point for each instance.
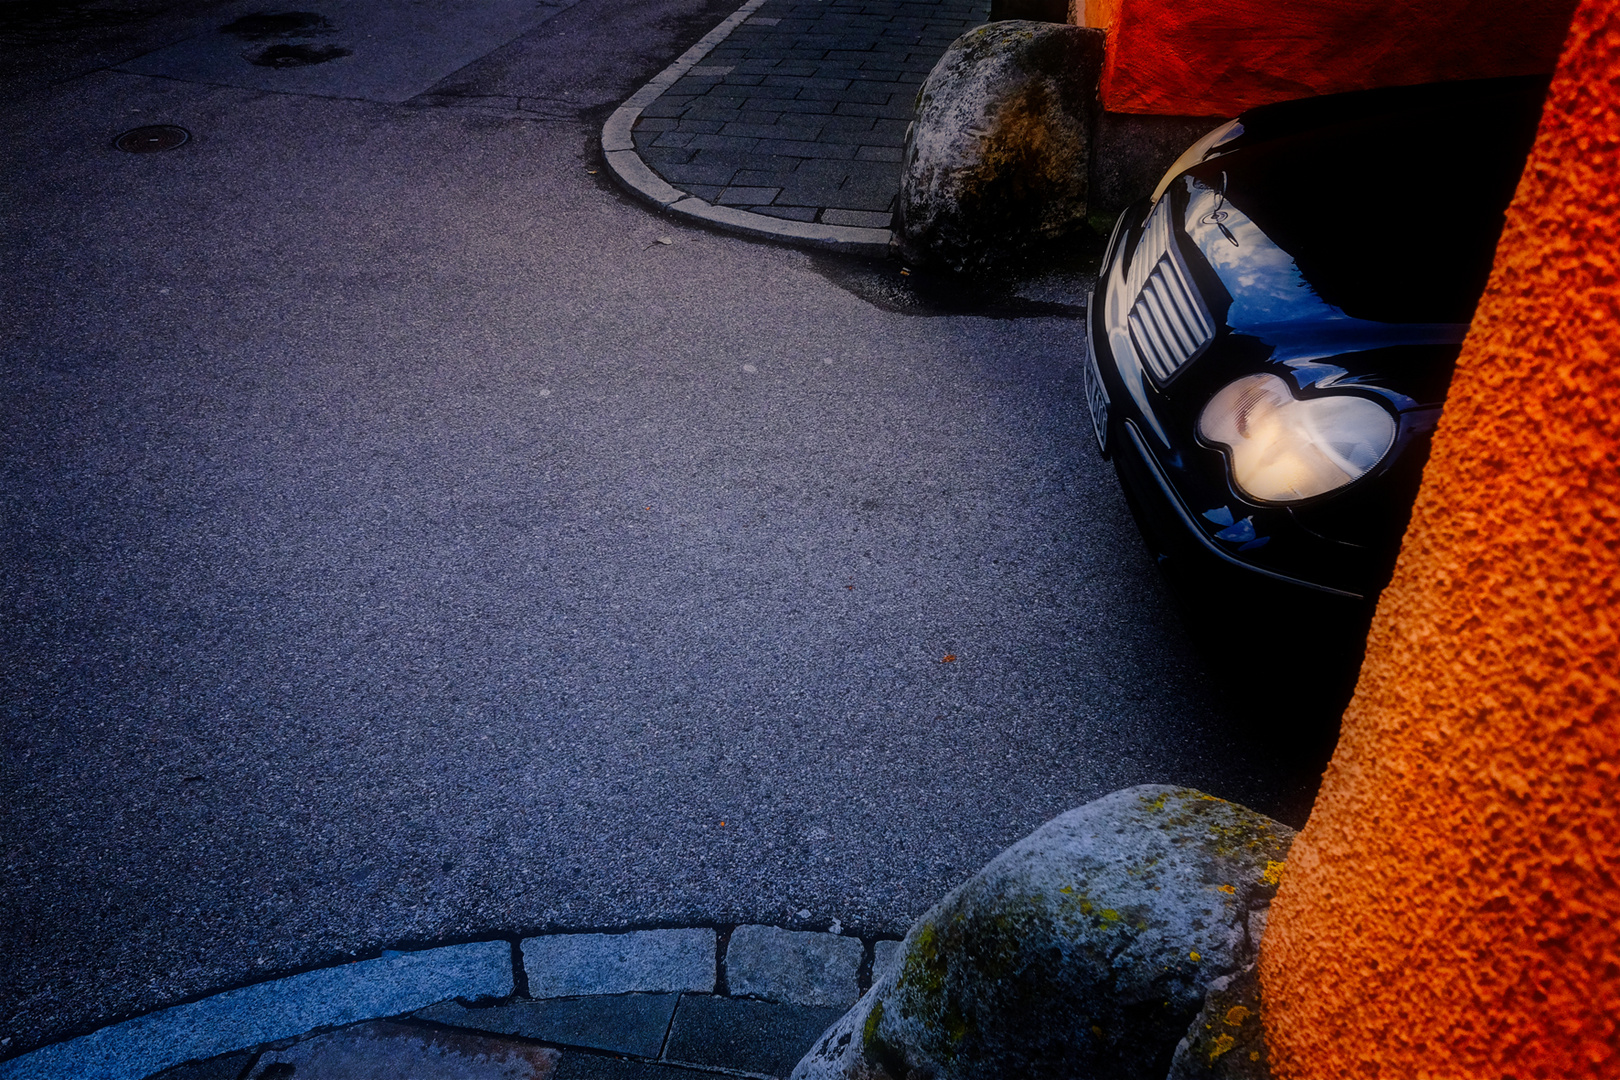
(625, 163)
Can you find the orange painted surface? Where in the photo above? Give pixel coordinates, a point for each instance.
(1219, 57)
(1452, 908)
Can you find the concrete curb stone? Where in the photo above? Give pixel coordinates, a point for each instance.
(642, 961)
(635, 1005)
(394, 983)
(794, 966)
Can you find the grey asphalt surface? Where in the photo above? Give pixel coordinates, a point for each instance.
(402, 544)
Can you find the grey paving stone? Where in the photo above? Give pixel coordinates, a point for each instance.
(881, 153)
(884, 953)
(663, 159)
(684, 175)
(812, 196)
(801, 129)
(794, 966)
(623, 1023)
(804, 148)
(787, 213)
(737, 1033)
(656, 123)
(729, 143)
(642, 961)
(390, 1051)
(864, 219)
(709, 192)
(799, 105)
(747, 196)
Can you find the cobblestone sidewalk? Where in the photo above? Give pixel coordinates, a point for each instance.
(799, 114)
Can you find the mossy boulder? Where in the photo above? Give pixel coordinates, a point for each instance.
(1225, 1040)
(996, 162)
(1084, 950)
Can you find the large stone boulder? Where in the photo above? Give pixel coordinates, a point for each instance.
(997, 160)
(1087, 949)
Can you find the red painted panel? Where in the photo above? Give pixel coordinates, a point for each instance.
(1219, 57)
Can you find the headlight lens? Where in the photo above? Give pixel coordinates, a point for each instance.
(1284, 449)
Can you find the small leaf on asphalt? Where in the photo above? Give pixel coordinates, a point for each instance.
(949, 657)
(665, 240)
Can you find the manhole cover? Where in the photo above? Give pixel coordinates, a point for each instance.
(149, 140)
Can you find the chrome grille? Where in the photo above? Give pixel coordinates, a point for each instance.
(1168, 321)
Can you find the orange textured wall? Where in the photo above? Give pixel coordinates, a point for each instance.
(1452, 908)
(1219, 57)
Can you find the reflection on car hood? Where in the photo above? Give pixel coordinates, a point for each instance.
(1272, 300)
(1362, 225)
(1390, 203)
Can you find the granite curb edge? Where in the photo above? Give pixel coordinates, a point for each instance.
(398, 983)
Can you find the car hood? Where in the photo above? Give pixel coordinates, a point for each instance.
(1361, 224)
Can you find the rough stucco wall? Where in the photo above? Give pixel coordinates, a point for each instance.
(1452, 908)
(1219, 57)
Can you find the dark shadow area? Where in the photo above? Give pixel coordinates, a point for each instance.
(1050, 281)
(1284, 661)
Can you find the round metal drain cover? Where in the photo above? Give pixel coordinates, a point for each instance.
(149, 140)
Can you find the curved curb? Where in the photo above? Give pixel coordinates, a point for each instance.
(634, 174)
(397, 983)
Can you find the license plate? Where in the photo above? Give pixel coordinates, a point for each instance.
(1096, 396)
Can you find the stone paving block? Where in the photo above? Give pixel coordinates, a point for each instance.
(864, 219)
(787, 213)
(794, 966)
(870, 201)
(751, 1036)
(771, 178)
(685, 175)
(815, 196)
(641, 961)
(800, 129)
(894, 154)
(803, 148)
(391, 1051)
(623, 1023)
(861, 108)
(746, 196)
(802, 105)
(884, 953)
(664, 158)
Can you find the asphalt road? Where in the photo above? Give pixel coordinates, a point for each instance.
(402, 544)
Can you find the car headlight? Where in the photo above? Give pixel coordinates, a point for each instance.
(1284, 449)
